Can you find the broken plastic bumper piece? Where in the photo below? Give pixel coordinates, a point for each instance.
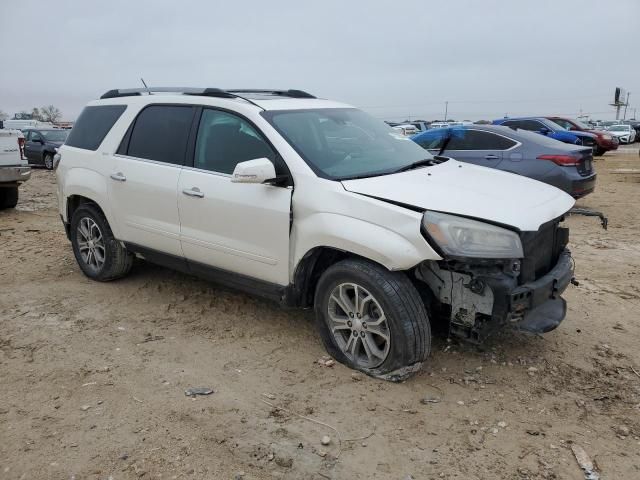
(482, 299)
(537, 306)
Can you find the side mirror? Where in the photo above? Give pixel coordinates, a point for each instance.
(254, 171)
(544, 131)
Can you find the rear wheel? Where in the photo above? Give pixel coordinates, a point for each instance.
(48, 161)
(100, 256)
(372, 320)
(8, 197)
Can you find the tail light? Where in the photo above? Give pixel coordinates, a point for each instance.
(562, 160)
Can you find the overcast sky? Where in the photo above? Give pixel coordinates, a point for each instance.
(394, 59)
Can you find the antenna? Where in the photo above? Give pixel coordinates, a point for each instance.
(143, 82)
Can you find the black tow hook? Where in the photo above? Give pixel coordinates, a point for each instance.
(575, 282)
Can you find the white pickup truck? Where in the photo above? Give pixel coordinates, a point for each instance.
(13, 170)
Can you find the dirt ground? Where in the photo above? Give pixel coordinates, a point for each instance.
(92, 376)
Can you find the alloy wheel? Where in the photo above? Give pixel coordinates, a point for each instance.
(358, 325)
(91, 243)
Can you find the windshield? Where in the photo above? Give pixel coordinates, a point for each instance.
(582, 125)
(343, 143)
(619, 128)
(55, 135)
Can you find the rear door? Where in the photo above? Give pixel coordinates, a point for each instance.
(144, 181)
(240, 228)
(33, 147)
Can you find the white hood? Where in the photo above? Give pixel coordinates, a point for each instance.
(469, 190)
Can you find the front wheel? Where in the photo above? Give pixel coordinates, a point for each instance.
(372, 320)
(100, 256)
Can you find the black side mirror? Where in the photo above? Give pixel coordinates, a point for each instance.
(544, 131)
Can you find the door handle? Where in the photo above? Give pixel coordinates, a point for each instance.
(193, 192)
(119, 177)
(491, 157)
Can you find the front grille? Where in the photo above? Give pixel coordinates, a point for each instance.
(542, 249)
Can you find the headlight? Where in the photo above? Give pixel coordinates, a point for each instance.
(607, 137)
(462, 237)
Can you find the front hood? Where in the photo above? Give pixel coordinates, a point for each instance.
(472, 191)
(619, 134)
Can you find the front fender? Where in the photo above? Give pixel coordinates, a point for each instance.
(401, 249)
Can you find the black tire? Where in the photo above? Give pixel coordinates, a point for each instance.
(117, 261)
(600, 151)
(409, 330)
(8, 197)
(48, 161)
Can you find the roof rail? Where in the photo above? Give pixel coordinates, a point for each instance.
(207, 92)
(282, 93)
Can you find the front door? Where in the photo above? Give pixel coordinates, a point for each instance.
(144, 179)
(241, 228)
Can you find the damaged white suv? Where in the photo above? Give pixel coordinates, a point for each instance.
(314, 203)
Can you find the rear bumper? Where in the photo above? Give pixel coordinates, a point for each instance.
(584, 186)
(14, 175)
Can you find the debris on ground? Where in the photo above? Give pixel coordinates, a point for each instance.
(193, 391)
(326, 440)
(585, 463)
(326, 361)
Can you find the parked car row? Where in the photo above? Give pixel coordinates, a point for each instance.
(568, 167)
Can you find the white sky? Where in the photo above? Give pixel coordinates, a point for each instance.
(394, 59)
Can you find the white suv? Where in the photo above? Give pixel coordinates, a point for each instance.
(314, 203)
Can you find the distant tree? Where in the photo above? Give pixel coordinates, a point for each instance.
(50, 113)
(3, 116)
(36, 115)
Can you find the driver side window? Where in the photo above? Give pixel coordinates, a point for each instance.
(224, 140)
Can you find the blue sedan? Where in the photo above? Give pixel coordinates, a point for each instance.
(568, 167)
(547, 127)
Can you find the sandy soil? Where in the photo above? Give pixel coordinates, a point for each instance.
(92, 376)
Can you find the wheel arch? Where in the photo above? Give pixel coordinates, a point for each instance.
(81, 185)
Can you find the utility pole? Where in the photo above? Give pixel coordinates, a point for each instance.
(626, 104)
(446, 109)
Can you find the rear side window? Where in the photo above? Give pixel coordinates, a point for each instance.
(531, 125)
(92, 126)
(161, 133)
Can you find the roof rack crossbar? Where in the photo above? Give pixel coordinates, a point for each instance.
(210, 92)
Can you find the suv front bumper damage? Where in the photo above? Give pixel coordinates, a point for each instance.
(480, 299)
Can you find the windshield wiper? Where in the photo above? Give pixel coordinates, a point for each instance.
(427, 162)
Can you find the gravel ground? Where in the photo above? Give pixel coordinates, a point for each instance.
(93, 375)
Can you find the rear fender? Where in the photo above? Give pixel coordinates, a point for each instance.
(91, 185)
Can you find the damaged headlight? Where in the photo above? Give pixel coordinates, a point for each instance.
(461, 237)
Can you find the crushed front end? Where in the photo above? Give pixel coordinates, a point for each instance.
(480, 295)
